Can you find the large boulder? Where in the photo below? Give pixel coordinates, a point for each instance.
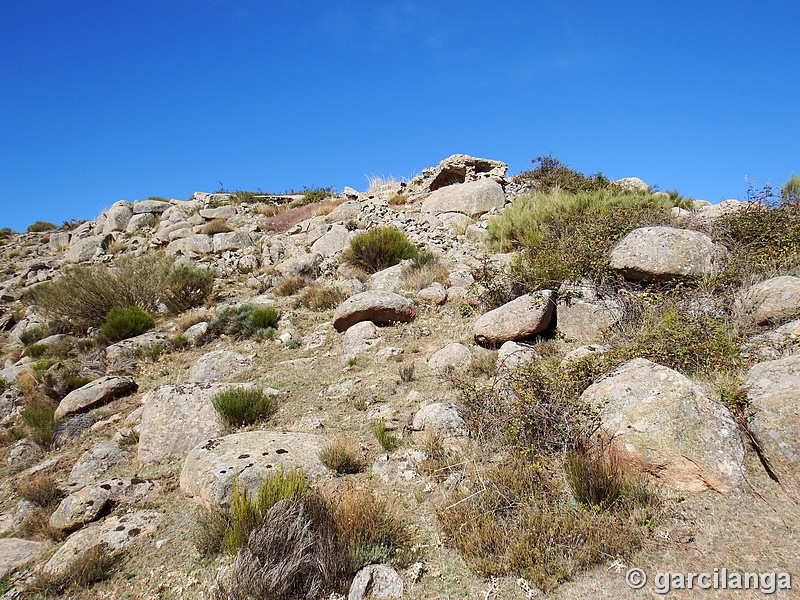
(333, 242)
(770, 345)
(359, 338)
(442, 419)
(112, 535)
(471, 199)
(773, 388)
(118, 216)
(246, 459)
(521, 318)
(458, 168)
(198, 243)
(177, 417)
(583, 314)
(774, 299)
(93, 394)
(378, 307)
(667, 425)
(632, 184)
(451, 357)
(84, 249)
(667, 253)
(232, 240)
(129, 347)
(150, 206)
(92, 466)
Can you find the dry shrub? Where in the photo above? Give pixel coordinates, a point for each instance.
(415, 278)
(290, 285)
(289, 218)
(40, 489)
(193, 318)
(398, 199)
(209, 533)
(484, 362)
(319, 296)
(379, 248)
(406, 372)
(439, 461)
(516, 520)
(268, 210)
(341, 456)
(369, 531)
(96, 565)
(216, 226)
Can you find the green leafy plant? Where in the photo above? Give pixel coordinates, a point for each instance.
(123, 323)
(312, 195)
(245, 320)
(243, 406)
(387, 440)
(379, 248)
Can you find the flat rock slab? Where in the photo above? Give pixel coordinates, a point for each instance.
(93, 394)
(15, 552)
(217, 365)
(666, 424)
(378, 307)
(521, 318)
(773, 299)
(247, 458)
(472, 199)
(177, 417)
(88, 504)
(667, 253)
(146, 341)
(114, 534)
(774, 389)
(94, 463)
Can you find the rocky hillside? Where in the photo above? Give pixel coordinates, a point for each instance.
(464, 385)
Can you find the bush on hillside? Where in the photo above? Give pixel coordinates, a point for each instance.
(791, 189)
(40, 226)
(124, 323)
(188, 286)
(246, 320)
(242, 406)
(379, 248)
(552, 174)
(39, 416)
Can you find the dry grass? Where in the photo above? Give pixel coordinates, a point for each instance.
(288, 218)
(484, 362)
(40, 489)
(216, 226)
(319, 296)
(341, 456)
(398, 200)
(268, 210)
(194, 317)
(289, 286)
(414, 278)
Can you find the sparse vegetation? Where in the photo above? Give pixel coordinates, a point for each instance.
(314, 195)
(41, 489)
(378, 248)
(188, 286)
(40, 226)
(38, 415)
(32, 335)
(319, 296)
(246, 320)
(123, 323)
(243, 406)
(289, 286)
(386, 439)
(341, 457)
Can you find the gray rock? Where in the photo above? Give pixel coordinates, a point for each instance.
(512, 354)
(435, 293)
(93, 394)
(233, 240)
(217, 365)
(376, 582)
(150, 206)
(666, 423)
(302, 264)
(521, 318)
(451, 357)
(774, 299)
(59, 240)
(458, 168)
(472, 199)
(196, 332)
(84, 249)
(441, 418)
(632, 184)
(15, 553)
(772, 345)
(93, 464)
(140, 221)
(177, 417)
(386, 280)
(773, 388)
(222, 212)
(333, 242)
(114, 534)
(582, 352)
(359, 338)
(118, 217)
(23, 454)
(143, 342)
(194, 244)
(583, 314)
(343, 213)
(212, 467)
(667, 253)
(378, 307)
(69, 428)
(89, 503)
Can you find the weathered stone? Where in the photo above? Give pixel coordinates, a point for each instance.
(118, 216)
(521, 318)
(150, 206)
(376, 582)
(583, 352)
(667, 253)
(386, 280)
(217, 365)
(15, 553)
(378, 307)
(472, 199)
(359, 338)
(435, 293)
(512, 354)
(772, 345)
(340, 389)
(93, 394)
(84, 249)
(346, 211)
(221, 212)
(667, 424)
(774, 299)
(233, 240)
(140, 221)
(583, 314)
(59, 240)
(302, 264)
(451, 357)
(458, 168)
(441, 418)
(144, 342)
(93, 464)
(114, 535)
(632, 184)
(212, 467)
(333, 242)
(23, 454)
(69, 428)
(198, 243)
(773, 388)
(89, 503)
(177, 417)
(196, 332)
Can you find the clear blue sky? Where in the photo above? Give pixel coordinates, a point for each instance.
(124, 99)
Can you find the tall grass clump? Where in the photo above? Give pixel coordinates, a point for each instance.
(242, 406)
(379, 248)
(246, 320)
(124, 323)
(39, 416)
(188, 286)
(569, 235)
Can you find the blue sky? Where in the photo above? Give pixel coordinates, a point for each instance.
(105, 101)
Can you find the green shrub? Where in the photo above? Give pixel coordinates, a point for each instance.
(791, 189)
(551, 173)
(3, 385)
(40, 226)
(158, 198)
(246, 513)
(5, 232)
(188, 286)
(311, 196)
(38, 415)
(34, 334)
(246, 320)
(379, 248)
(387, 440)
(242, 406)
(73, 383)
(35, 350)
(179, 342)
(123, 323)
